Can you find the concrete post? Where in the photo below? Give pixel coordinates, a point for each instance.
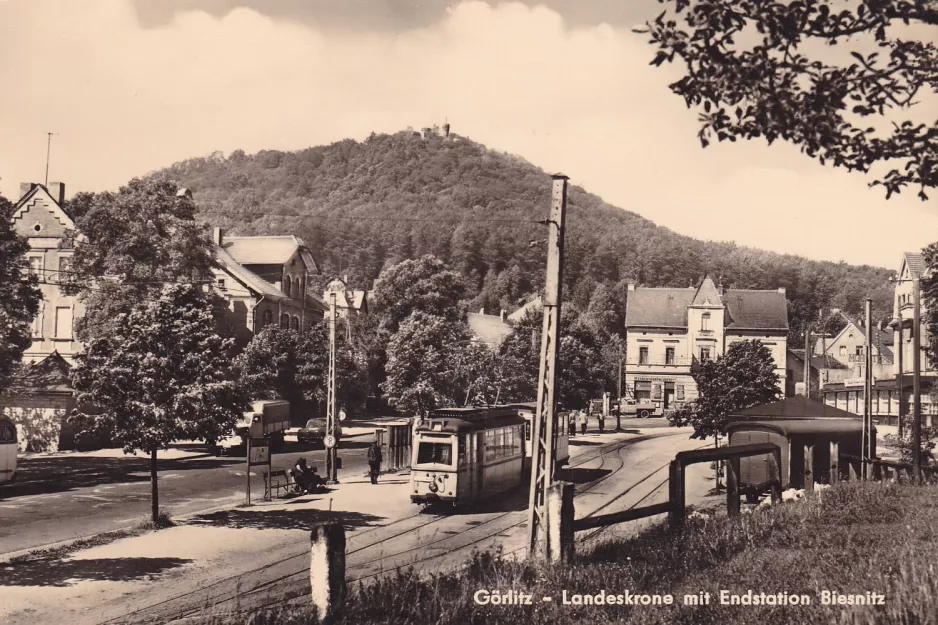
(775, 474)
(327, 569)
(560, 517)
(852, 468)
(835, 463)
(808, 468)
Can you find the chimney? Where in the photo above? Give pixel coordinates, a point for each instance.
(781, 290)
(26, 187)
(218, 235)
(57, 191)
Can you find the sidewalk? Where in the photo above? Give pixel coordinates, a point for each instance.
(99, 583)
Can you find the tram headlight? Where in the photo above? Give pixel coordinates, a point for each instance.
(433, 487)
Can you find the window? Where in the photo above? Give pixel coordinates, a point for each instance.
(669, 356)
(35, 266)
(65, 267)
(63, 322)
(705, 321)
(287, 286)
(284, 321)
(37, 323)
(843, 350)
(435, 453)
(859, 350)
(679, 390)
(490, 445)
(268, 318)
(643, 355)
(704, 353)
(221, 284)
(296, 323)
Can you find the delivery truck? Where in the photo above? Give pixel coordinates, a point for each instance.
(268, 418)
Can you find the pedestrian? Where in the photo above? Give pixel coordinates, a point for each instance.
(581, 419)
(374, 461)
(602, 422)
(571, 424)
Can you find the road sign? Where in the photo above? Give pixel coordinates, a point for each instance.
(259, 451)
(342, 415)
(329, 441)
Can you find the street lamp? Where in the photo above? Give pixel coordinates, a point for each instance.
(916, 373)
(896, 326)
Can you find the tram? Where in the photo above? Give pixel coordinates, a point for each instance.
(462, 455)
(561, 436)
(8, 450)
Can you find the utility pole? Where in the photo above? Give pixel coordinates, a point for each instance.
(544, 454)
(807, 362)
(868, 450)
(331, 441)
(916, 378)
(619, 394)
(901, 377)
(48, 153)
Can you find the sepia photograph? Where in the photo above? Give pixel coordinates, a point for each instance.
(469, 312)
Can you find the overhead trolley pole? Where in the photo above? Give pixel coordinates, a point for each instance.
(544, 452)
(331, 441)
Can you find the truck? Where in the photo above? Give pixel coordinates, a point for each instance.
(638, 407)
(266, 418)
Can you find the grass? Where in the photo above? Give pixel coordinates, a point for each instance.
(852, 538)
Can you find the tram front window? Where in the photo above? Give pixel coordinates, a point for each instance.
(435, 453)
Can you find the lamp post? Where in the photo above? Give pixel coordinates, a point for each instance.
(896, 325)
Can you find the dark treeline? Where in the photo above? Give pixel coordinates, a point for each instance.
(363, 206)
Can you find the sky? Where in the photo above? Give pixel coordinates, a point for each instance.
(130, 86)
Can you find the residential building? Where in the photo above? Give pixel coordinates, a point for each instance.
(887, 389)
(668, 328)
(348, 302)
(40, 217)
(823, 368)
(264, 279)
(490, 330)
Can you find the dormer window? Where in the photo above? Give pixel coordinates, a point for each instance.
(705, 321)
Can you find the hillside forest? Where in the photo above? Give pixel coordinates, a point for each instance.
(364, 206)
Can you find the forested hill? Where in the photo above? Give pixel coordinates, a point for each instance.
(362, 206)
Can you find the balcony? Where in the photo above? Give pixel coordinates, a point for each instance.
(658, 361)
(878, 359)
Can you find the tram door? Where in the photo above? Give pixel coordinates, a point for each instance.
(479, 467)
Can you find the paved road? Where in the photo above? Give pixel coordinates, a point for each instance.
(58, 498)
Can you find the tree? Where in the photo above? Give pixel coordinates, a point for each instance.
(757, 70)
(19, 296)
(161, 375)
(929, 302)
(281, 363)
(424, 284)
(131, 244)
(741, 378)
(427, 368)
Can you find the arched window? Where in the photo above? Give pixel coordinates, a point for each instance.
(268, 318)
(286, 286)
(296, 323)
(284, 321)
(705, 321)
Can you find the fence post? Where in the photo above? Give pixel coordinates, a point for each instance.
(852, 469)
(732, 486)
(676, 489)
(327, 569)
(835, 463)
(775, 474)
(808, 468)
(560, 523)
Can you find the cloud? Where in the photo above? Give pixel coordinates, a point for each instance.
(127, 99)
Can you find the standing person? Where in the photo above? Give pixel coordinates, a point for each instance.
(602, 422)
(581, 419)
(571, 424)
(374, 461)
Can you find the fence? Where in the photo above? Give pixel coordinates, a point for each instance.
(395, 438)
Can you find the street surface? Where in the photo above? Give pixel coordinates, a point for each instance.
(236, 558)
(59, 498)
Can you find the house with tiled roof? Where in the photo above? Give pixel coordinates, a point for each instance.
(348, 301)
(265, 279)
(892, 388)
(668, 328)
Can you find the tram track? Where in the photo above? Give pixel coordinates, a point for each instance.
(291, 582)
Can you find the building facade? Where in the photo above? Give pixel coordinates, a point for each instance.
(894, 385)
(668, 328)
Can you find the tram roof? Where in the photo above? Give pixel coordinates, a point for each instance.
(456, 425)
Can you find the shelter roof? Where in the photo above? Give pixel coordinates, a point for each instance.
(789, 427)
(798, 407)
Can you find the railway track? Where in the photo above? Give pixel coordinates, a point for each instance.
(472, 534)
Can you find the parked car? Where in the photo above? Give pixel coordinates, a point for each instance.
(313, 432)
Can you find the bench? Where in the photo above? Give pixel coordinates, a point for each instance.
(276, 481)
